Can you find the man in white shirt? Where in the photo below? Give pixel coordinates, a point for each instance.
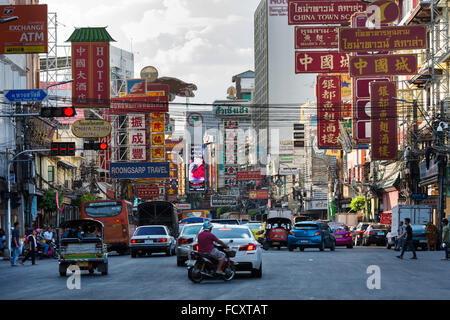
(48, 235)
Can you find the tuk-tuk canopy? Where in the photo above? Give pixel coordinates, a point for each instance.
(278, 223)
(85, 224)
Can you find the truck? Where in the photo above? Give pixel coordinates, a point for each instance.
(158, 213)
(420, 215)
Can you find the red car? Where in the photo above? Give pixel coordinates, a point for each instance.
(342, 233)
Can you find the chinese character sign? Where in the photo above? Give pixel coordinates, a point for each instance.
(382, 65)
(137, 153)
(384, 120)
(321, 62)
(90, 72)
(136, 121)
(328, 111)
(316, 37)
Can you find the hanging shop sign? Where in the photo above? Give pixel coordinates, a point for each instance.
(136, 87)
(321, 62)
(147, 191)
(91, 128)
(248, 175)
(23, 29)
(382, 38)
(137, 153)
(303, 12)
(124, 105)
(231, 111)
(383, 65)
(258, 194)
(139, 170)
(316, 37)
(328, 111)
(384, 120)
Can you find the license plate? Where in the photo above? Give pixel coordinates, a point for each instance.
(381, 233)
(148, 241)
(83, 264)
(303, 241)
(275, 243)
(338, 236)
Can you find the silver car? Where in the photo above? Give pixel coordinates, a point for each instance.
(152, 238)
(184, 242)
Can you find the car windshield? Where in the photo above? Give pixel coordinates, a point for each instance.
(364, 226)
(191, 230)
(231, 233)
(103, 209)
(255, 226)
(225, 221)
(305, 226)
(150, 231)
(338, 227)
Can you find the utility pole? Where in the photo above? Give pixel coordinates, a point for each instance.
(442, 168)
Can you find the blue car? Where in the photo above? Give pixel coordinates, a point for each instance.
(311, 234)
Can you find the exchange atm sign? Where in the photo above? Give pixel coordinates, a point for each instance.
(23, 29)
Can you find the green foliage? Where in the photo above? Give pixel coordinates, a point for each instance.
(253, 212)
(48, 202)
(358, 203)
(222, 210)
(84, 198)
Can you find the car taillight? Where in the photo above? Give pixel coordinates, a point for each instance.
(291, 233)
(184, 241)
(163, 240)
(137, 241)
(195, 248)
(361, 231)
(371, 232)
(318, 233)
(350, 235)
(248, 247)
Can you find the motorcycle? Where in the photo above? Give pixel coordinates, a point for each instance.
(53, 250)
(205, 266)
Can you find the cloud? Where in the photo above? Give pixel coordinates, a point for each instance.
(200, 41)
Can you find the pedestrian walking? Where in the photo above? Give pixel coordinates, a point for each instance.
(32, 245)
(15, 244)
(432, 233)
(408, 243)
(445, 237)
(399, 243)
(2, 241)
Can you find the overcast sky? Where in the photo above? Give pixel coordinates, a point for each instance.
(205, 42)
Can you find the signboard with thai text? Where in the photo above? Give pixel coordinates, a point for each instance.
(248, 175)
(382, 38)
(382, 65)
(301, 12)
(384, 120)
(321, 62)
(147, 191)
(124, 105)
(316, 37)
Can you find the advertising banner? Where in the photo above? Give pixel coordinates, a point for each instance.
(248, 175)
(316, 37)
(90, 72)
(382, 38)
(197, 174)
(384, 120)
(258, 194)
(321, 62)
(303, 12)
(147, 191)
(139, 170)
(328, 111)
(124, 105)
(383, 65)
(386, 218)
(136, 87)
(23, 29)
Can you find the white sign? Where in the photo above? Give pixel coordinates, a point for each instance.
(136, 121)
(137, 138)
(183, 206)
(138, 153)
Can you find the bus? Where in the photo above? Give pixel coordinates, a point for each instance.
(195, 214)
(158, 213)
(118, 218)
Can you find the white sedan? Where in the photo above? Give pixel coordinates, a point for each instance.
(150, 239)
(241, 239)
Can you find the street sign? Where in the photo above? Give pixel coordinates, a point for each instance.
(26, 95)
(91, 128)
(12, 178)
(419, 196)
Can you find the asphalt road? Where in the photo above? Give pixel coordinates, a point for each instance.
(311, 274)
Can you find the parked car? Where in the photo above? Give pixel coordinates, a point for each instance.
(185, 240)
(150, 239)
(225, 221)
(311, 234)
(240, 239)
(375, 234)
(359, 232)
(258, 230)
(342, 234)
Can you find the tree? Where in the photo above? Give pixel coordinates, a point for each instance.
(358, 203)
(253, 212)
(84, 198)
(48, 202)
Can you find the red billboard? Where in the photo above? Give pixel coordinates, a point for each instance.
(328, 111)
(382, 38)
(248, 175)
(384, 120)
(316, 37)
(23, 29)
(147, 191)
(321, 62)
(148, 104)
(258, 194)
(303, 12)
(90, 74)
(383, 65)
(386, 218)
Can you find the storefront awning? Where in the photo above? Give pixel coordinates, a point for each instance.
(66, 164)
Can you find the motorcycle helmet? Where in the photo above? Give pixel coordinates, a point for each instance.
(207, 225)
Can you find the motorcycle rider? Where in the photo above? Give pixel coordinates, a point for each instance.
(206, 245)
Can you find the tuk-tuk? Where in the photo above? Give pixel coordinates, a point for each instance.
(277, 231)
(82, 244)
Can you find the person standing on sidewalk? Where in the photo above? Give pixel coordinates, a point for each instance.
(408, 240)
(445, 237)
(32, 245)
(15, 243)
